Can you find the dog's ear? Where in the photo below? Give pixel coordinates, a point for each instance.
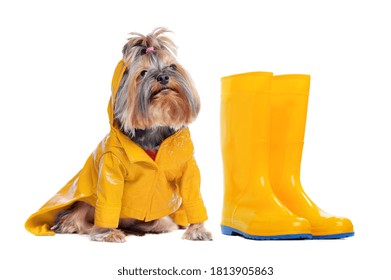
(132, 47)
(125, 50)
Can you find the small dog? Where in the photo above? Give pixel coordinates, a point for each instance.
(156, 99)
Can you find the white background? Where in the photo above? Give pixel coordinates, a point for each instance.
(57, 59)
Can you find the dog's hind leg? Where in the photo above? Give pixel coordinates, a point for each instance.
(78, 218)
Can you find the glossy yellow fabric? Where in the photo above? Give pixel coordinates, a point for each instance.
(121, 181)
(289, 101)
(250, 205)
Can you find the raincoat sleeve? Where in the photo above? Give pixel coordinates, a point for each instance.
(192, 201)
(109, 191)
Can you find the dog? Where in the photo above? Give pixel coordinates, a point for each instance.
(142, 178)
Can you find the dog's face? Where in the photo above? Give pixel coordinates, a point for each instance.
(155, 90)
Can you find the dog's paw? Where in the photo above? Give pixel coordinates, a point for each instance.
(64, 228)
(197, 232)
(109, 235)
(64, 223)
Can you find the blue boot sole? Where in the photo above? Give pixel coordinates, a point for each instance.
(334, 236)
(232, 231)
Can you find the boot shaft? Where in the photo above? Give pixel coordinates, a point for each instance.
(245, 128)
(289, 102)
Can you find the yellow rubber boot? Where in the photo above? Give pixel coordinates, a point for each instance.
(250, 207)
(288, 118)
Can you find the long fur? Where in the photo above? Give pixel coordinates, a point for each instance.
(141, 101)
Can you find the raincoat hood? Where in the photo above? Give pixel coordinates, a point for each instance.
(117, 77)
(120, 180)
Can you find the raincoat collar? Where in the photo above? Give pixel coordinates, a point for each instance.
(179, 144)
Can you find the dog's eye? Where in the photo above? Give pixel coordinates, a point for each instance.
(143, 73)
(173, 67)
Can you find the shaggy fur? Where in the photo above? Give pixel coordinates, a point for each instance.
(156, 90)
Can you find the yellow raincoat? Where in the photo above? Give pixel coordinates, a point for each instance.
(121, 181)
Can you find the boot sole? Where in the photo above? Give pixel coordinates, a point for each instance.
(232, 231)
(334, 236)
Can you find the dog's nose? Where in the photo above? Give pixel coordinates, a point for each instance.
(163, 79)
